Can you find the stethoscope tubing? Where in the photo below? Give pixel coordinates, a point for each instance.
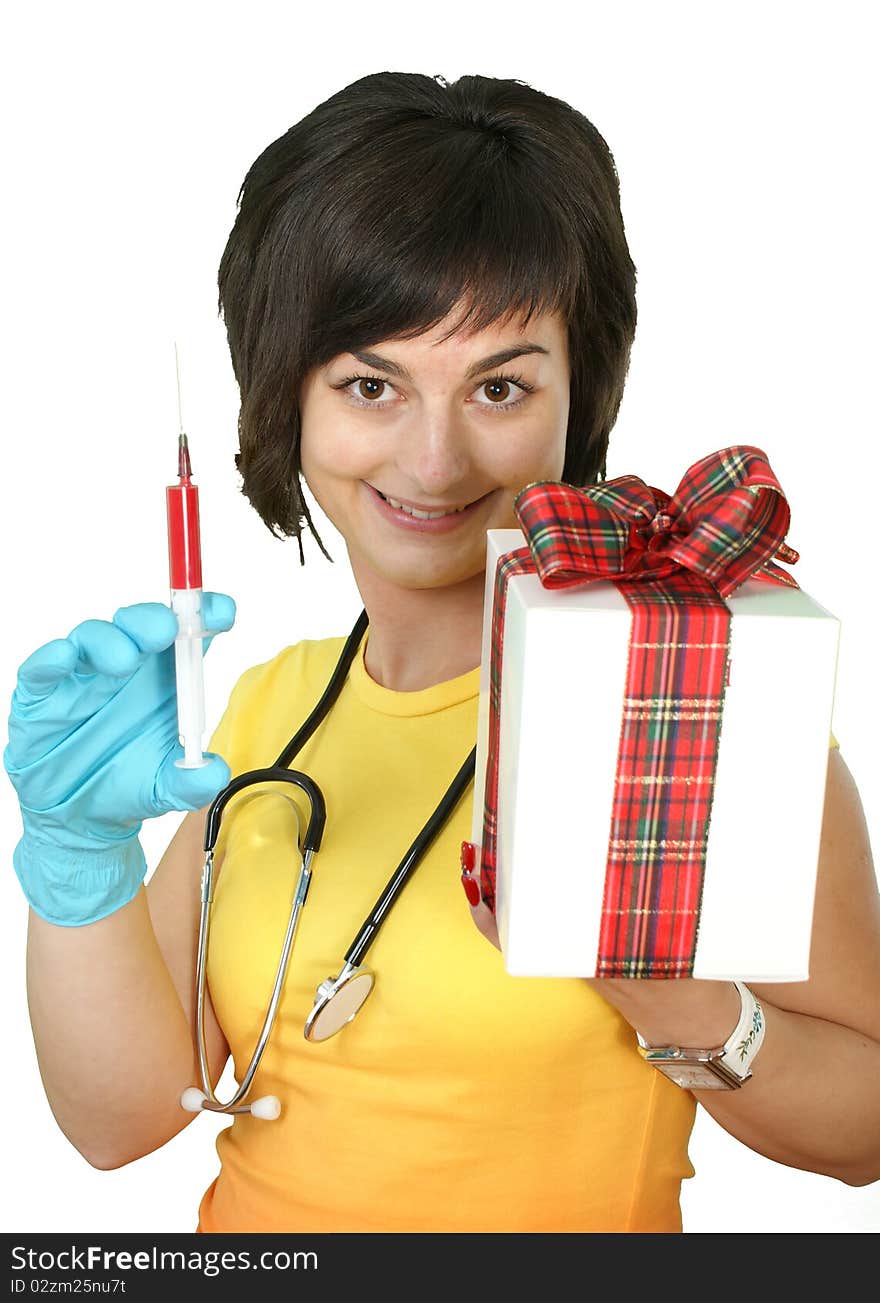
(271, 774)
(211, 1102)
(410, 861)
(314, 833)
(279, 772)
(329, 695)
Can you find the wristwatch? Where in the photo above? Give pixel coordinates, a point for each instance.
(725, 1068)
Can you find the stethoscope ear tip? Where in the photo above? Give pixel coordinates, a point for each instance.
(267, 1107)
(192, 1099)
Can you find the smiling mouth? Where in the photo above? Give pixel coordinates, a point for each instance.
(424, 513)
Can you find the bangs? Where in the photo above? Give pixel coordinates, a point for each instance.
(473, 233)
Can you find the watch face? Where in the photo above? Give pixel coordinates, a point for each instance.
(693, 1076)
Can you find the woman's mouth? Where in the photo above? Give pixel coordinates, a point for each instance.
(412, 518)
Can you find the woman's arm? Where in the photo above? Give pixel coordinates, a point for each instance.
(111, 1006)
(813, 1101)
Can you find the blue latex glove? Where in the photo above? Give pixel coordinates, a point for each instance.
(92, 744)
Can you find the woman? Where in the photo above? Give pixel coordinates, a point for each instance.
(430, 302)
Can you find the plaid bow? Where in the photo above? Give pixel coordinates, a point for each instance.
(674, 560)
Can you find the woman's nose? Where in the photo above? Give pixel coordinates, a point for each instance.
(435, 453)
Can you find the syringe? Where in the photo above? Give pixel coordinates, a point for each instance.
(185, 572)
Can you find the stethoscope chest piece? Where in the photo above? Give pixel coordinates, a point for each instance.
(337, 1000)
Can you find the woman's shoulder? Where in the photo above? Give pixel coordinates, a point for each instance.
(291, 676)
(294, 665)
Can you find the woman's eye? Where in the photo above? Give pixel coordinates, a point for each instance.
(501, 385)
(369, 390)
(497, 391)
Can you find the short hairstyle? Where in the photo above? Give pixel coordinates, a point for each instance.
(393, 201)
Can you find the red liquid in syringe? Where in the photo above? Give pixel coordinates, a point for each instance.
(184, 541)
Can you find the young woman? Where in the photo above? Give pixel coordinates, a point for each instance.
(430, 303)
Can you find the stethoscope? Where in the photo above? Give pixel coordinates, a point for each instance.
(339, 998)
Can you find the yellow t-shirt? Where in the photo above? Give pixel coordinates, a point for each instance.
(460, 1098)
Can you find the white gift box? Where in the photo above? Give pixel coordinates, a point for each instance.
(562, 689)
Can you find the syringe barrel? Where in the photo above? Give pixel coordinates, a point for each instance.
(184, 541)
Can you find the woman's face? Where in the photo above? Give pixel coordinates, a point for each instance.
(437, 426)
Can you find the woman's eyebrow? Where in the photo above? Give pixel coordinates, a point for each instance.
(485, 364)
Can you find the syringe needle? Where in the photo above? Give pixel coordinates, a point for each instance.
(179, 404)
(184, 469)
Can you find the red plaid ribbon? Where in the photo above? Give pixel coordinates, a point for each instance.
(674, 560)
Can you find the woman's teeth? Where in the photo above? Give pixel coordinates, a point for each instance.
(420, 515)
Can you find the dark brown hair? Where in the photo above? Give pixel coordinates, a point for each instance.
(393, 201)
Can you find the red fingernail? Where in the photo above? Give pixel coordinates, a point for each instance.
(471, 889)
(468, 856)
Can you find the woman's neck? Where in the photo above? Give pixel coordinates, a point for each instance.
(419, 637)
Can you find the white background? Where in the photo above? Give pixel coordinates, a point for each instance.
(745, 138)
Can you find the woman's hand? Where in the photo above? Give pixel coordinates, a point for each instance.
(93, 727)
(683, 1011)
(93, 740)
(485, 922)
